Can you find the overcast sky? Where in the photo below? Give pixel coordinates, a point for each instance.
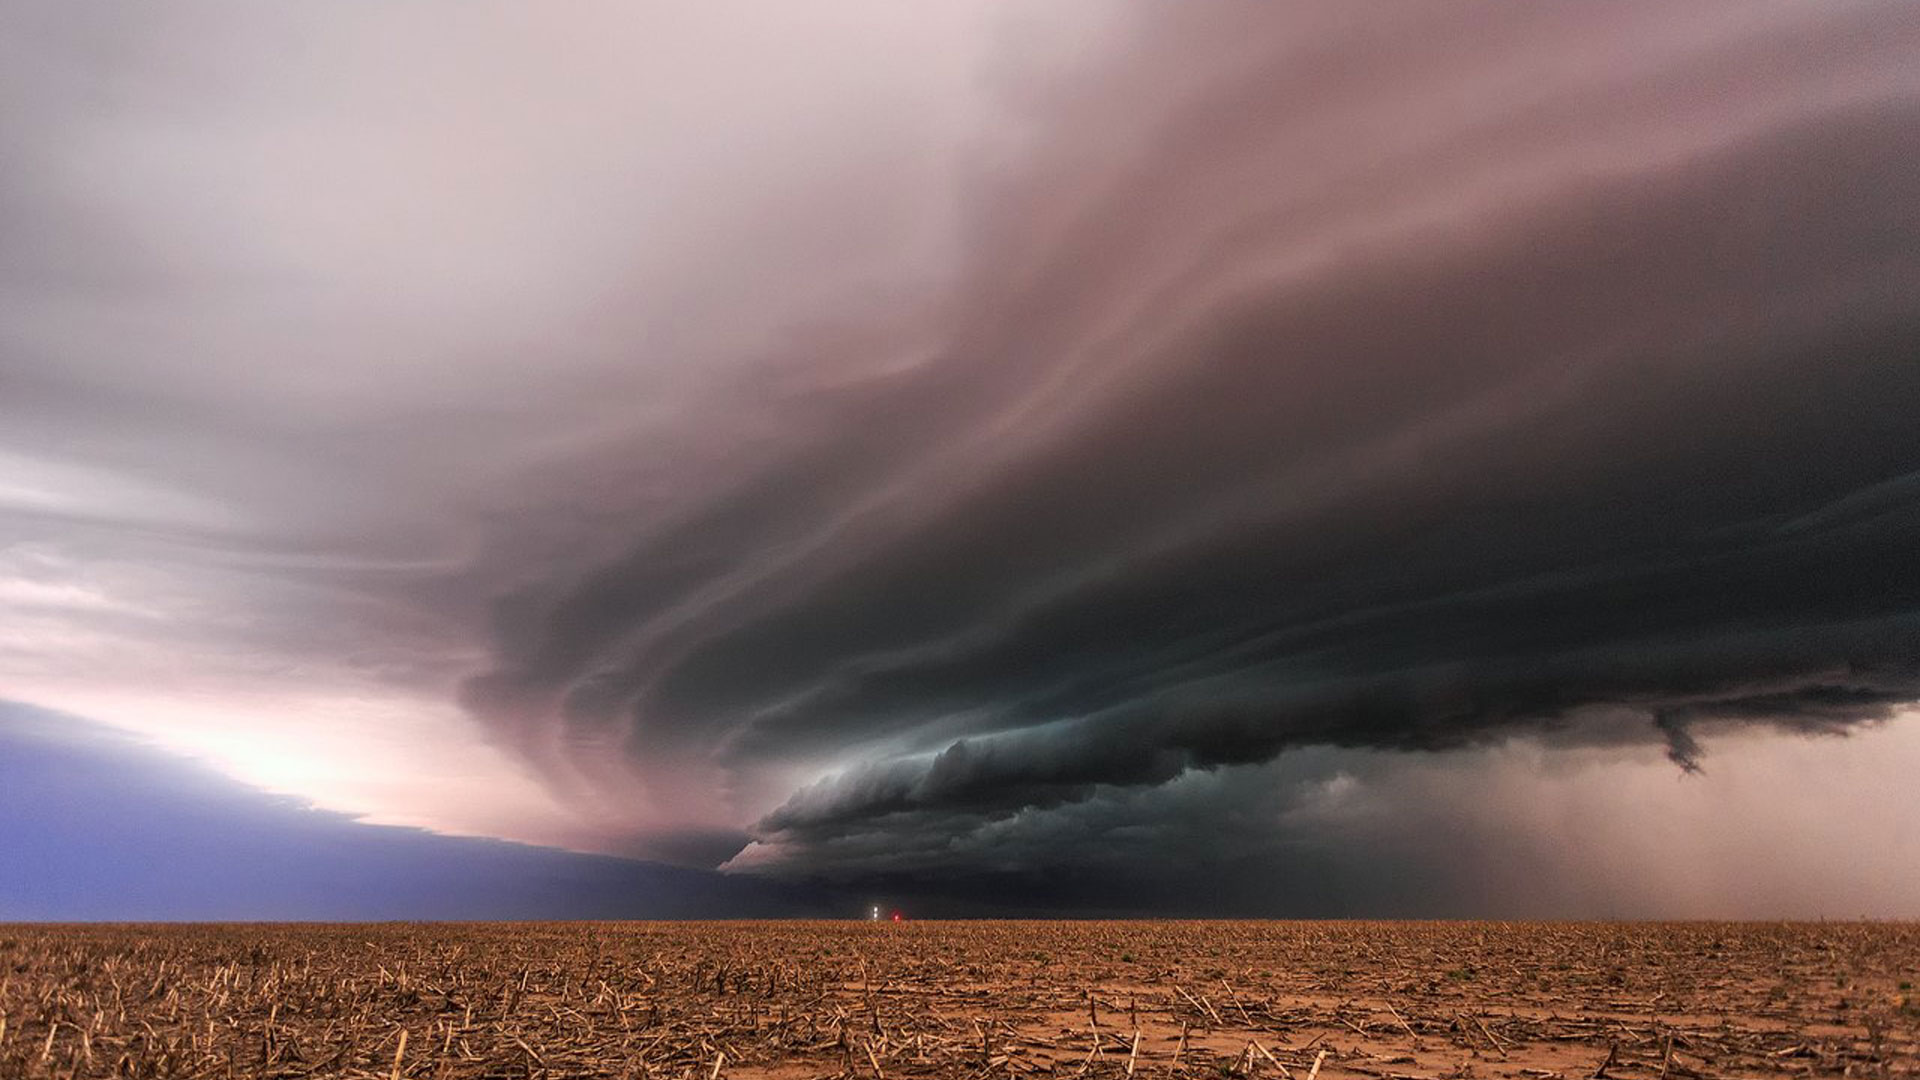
(1395, 459)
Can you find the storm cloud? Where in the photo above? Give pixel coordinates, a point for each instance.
(1595, 394)
(1041, 431)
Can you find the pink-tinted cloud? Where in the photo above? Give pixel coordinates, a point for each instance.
(853, 429)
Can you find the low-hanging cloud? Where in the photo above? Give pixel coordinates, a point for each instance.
(1207, 384)
(1387, 387)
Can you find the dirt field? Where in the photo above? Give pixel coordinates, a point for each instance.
(996, 999)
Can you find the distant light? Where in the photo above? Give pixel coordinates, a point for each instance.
(897, 917)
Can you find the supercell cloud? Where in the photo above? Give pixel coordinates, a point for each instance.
(928, 447)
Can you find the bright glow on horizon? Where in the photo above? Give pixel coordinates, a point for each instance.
(407, 763)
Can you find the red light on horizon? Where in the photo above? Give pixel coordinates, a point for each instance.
(897, 917)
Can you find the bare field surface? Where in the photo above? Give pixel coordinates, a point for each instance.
(792, 1000)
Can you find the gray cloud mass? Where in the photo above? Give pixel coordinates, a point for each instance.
(1221, 402)
(1597, 441)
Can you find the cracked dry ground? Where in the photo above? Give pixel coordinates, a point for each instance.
(789, 1000)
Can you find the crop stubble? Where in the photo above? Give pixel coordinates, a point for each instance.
(1100, 1000)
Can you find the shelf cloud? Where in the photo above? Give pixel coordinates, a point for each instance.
(894, 447)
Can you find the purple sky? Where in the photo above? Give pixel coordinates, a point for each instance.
(1408, 459)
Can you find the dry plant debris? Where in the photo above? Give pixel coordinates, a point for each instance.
(861, 1001)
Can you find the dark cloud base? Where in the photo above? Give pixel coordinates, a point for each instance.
(1029, 485)
(1635, 442)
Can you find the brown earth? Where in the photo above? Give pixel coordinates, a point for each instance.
(1102, 1000)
